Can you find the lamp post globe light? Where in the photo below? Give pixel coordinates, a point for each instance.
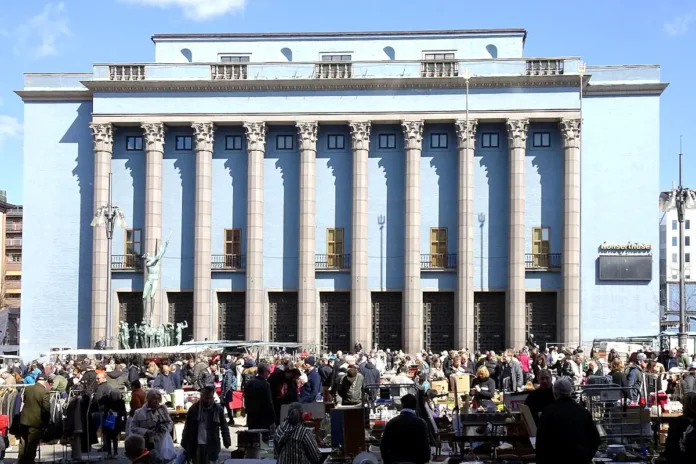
(681, 199)
(109, 216)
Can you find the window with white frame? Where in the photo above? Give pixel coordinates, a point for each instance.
(234, 58)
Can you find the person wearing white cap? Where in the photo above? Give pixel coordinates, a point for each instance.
(553, 443)
(636, 377)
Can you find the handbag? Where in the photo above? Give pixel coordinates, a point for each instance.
(110, 420)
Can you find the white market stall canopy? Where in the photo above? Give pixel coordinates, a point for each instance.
(162, 350)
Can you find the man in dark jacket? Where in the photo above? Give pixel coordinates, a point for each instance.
(118, 378)
(206, 414)
(164, 381)
(326, 373)
(405, 438)
(258, 401)
(447, 366)
(370, 372)
(229, 385)
(33, 418)
(175, 374)
(310, 391)
(103, 388)
(553, 440)
(200, 366)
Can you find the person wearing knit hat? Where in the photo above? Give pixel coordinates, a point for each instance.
(311, 390)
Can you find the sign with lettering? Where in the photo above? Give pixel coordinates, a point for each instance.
(607, 248)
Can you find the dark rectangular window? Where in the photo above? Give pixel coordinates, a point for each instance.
(490, 140)
(133, 242)
(687, 224)
(439, 56)
(337, 142)
(234, 59)
(541, 139)
(687, 241)
(134, 143)
(674, 225)
(438, 140)
(387, 141)
(184, 142)
(284, 142)
(687, 257)
(233, 142)
(674, 241)
(335, 57)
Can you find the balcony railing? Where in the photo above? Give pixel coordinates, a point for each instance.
(439, 261)
(332, 262)
(545, 67)
(134, 72)
(14, 212)
(333, 70)
(443, 68)
(228, 262)
(126, 263)
(542, 261)
(226, 72)
(13, 243)
(13, 227)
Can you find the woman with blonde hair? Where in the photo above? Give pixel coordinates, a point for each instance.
(617, 373)
(483, 387)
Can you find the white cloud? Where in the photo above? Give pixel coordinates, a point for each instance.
(679, 25)
(9, 127)
(198, 9)
(40, 35)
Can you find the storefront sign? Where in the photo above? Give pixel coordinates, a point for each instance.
(607, 248)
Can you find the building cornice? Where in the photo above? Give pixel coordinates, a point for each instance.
(48, 95)
(649, 88)
(319, 35)
(289, 85)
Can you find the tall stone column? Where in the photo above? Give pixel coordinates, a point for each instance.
(256, 147)
(413, 298)
(360, 304)
(515, 307)
(154, 151)
(306, 298)
(464, 311)
(103, 148)
(570, 310)
(204, 134)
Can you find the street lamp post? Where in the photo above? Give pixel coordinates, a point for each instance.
(681, 199)
(109, 216)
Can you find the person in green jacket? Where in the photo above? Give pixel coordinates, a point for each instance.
(59, 382)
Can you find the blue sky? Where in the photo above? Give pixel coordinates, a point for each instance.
(70, 35)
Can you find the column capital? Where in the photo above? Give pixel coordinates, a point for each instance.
(360, 133)
(570, 129)
(466, 132)
(413, 134)
(204, 134)
(154, 135)
(307, 135)
(103, 136)
(256, 136)
(517, 132)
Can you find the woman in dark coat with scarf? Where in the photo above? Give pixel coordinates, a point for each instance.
(114, 420)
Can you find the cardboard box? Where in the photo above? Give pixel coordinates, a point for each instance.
(440, 386)
(460, 383)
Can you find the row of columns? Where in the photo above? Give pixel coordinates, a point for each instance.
(361, 324)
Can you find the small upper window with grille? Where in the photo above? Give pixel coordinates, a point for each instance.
(438, 140)
(234, 59)
(335, 57)
(336, 142)
(184, 142)
(439, 56)
(387, 141)
(490, 140)
(233, 142)
(542, 139)
(134, 143)
(284, 142)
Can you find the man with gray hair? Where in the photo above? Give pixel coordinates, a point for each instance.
(566, 430)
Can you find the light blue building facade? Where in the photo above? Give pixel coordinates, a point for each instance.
(427, 189)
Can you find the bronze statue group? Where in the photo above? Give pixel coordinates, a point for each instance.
(148, 336)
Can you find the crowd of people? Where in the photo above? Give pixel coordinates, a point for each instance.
(344, 379)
